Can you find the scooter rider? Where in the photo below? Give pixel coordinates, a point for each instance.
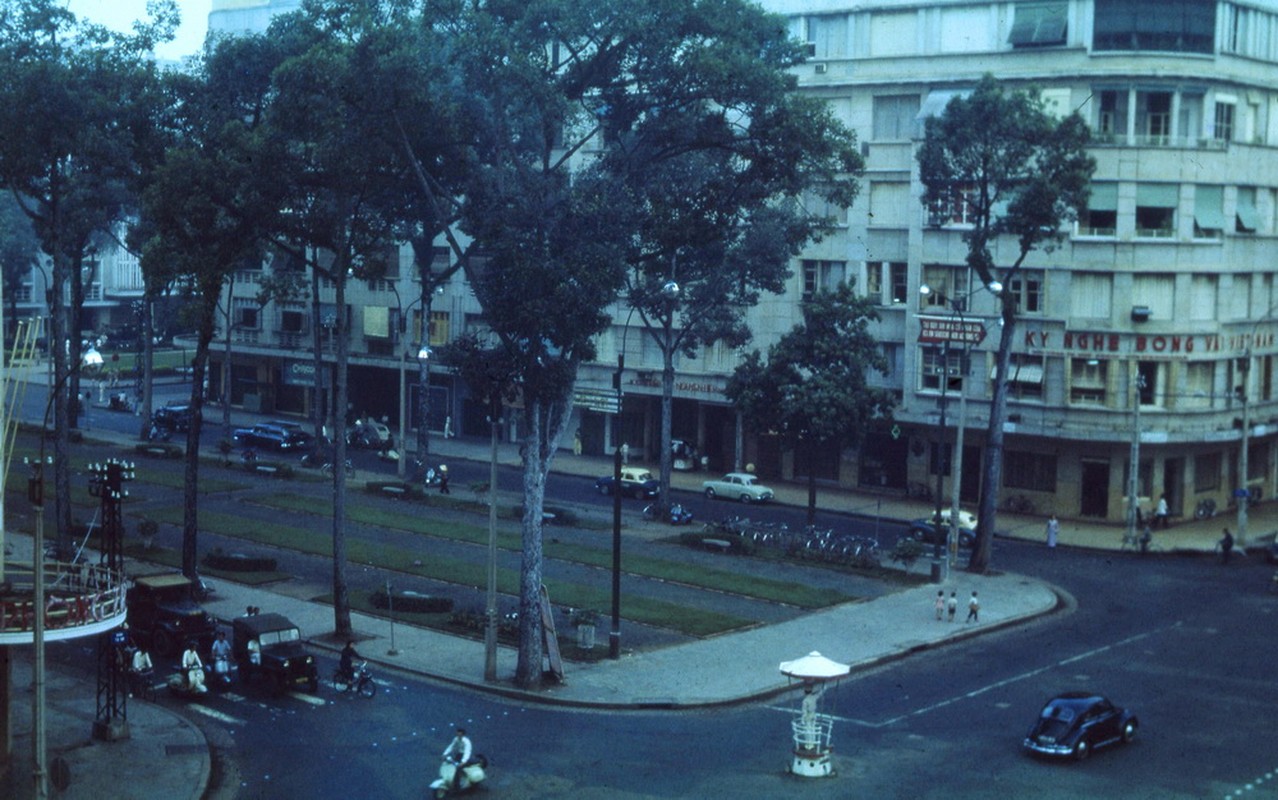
(221, 655)
(458, 752)
(194, 669)
(346, 664)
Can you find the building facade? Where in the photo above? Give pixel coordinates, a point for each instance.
(1151, 329)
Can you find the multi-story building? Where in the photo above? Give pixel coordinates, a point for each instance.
(1154, 321)
(1149, 330)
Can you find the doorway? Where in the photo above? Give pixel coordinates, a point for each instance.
(1093, 490)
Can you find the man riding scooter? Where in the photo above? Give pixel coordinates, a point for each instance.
(461, 768)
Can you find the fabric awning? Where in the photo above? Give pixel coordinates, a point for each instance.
(1208, 207)
(1248, 216)
(1158, 195)
(1039, 23)
(1104, 197)
(1025, 373)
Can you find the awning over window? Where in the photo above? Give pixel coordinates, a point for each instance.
(1248, 217)
(935, 102)
(1208, 208)
(1158, 195)
(376, 321)
(1039, 23)
(1104, 197)
(1023, 373)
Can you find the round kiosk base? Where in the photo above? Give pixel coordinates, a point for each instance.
(812, 764)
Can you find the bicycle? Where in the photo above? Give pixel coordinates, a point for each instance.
(327, 469)
(1206, 509)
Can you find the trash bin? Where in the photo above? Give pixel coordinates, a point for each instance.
(937, 566)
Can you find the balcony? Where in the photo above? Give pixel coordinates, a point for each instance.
(80, 600)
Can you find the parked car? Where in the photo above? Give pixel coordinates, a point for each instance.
(924, 530)
(635, 482)
(163, 614)
(1073, 724)
(271, 646)
(738, 486)
(174, 417)
(272, 436)
(967, 520)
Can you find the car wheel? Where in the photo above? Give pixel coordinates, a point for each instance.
(1129, 731)
(604, 489)
(747, 499)
(1082, 750)
(709, 494)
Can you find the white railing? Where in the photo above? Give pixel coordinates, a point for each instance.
(80, 600)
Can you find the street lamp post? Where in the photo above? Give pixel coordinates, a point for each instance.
(614, 635)
(1133, 470)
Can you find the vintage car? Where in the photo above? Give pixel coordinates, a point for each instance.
(271, 646)
(635, 482)
(738, 486)
(163, 614)
(174, 417)
(1073, 724)
(272, 436)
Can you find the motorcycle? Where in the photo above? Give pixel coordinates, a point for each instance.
(362, 683)
(675, 515)
(180, 682)
(472, 774)
(220, 674)
(431, 477)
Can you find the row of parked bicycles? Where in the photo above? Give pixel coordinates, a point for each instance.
(807, 543)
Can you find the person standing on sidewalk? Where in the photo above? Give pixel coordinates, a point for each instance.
(940, 604)
(951, 605)
(1160, 513)
(1053, 530)
(973, 609)
(1226, 545)
(443, 479)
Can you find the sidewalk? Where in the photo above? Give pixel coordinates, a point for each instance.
(722, 670)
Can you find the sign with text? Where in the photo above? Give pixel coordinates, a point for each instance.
(934, 330)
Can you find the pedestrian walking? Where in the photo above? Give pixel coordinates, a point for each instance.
(443, 479)
(951, 605)
(973, 608)
(1226, 545)
(576, 443)
(625, 453)
(1053, 529)
(1160, 513)
(940, 604)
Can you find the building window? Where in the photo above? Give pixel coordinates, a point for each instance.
(1209, 212)
(942, 361)
(1207, 472)
(821, 276)
(874, 281)
(1224, 129)
(899, 273)
(1199, 378)
(955, 207)
(827, 35)
(1153, 118)
(1088, 381)
(1147, 376)
(1091, 295)
(1181, 26)
(1027, 288)
(1100, 218)
(1029, 471)
(293, 320)
(247, 315)
(439, 321)
(1111, 115)
(1156, 210)
(896, 117)
(944, 284)
(1039, 24)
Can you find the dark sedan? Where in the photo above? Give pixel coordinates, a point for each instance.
(174, 417)
(272, 436)
(1074, 724)
(923, 530)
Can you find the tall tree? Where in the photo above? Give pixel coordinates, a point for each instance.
(606, 138)
(1023, 174)
(19, 253)
(75, 105)
(205, 208)
(814, 388)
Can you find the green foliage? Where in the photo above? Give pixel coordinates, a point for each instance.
(814, 386)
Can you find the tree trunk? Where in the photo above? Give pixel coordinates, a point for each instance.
(422, 334)
(61, 442)
(226, 360)
(667, 412)
(812, 492)
(318, 412)
(341, 598)
(993, 457)
(190, 484)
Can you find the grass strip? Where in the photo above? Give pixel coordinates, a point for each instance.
(719, 580)
(689, 621)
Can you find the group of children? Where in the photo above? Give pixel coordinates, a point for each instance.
(948, 607)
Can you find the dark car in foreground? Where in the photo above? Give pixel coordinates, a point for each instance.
(1073, 724)
(174, 417)
(923, 530)
(271, 646)
(273, 436)
(164, 616)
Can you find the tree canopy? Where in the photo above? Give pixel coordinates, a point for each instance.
(1022, 173)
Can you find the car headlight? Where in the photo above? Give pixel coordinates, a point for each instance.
(286, 663)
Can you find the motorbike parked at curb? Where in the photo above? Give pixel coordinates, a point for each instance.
(472, 774)
(361, 683)
(675, 515)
